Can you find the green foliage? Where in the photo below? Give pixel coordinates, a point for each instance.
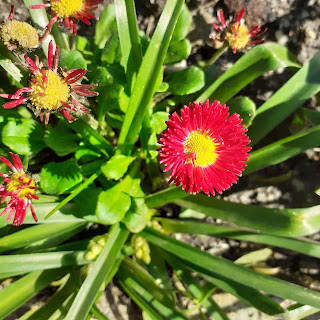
(103, 169)
(59, 178)
(23, 136)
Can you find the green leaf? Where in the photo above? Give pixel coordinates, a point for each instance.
(103, 26)
(36, 233)
(299, 88)
(186, 81)
(7, 60)
(148, 75)
(183, 24)
(283, 149)
(216, 267)
(137, 216)
(57, 305)
(282, 222)
(72, 59)
(302, 245)
(158, 121)
(19, 292)
(245, 107)
(24, 263)
(140, 275)
(98, 274)
(129, 39)
(254, 257)
(59, 177)
(92, 136)
(117, 166)
(163, 311)
(23, 136)
(112, 205)
(260, 59)
(178, 51)
(61, 139)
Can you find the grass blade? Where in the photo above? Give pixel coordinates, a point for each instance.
(148, 75)
(99, 272)
(281, 222)
(302, 245)
(24, 263)
(301, 87)
(261, 59)
(19, 292)
(205, 263)
(36, 233)
(283, 149)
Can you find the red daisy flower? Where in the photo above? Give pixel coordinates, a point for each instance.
(52, 89)
(205, 149)
(20, 187)
(20, 35)
(236, 34)
(68, 11)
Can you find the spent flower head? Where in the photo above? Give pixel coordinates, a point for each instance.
(236, 34)
(52, 89)
(205, 148)
(20, 36)
(68, 11)
(21, 189)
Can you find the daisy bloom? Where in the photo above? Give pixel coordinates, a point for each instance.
(236, 34)
(20, 35)
(20, 187)
(205, 148)
(68, 11)
(51, 89)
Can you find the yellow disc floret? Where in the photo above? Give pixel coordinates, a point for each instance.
(19, 33)
(21, 184)
(201, 149)
(66, 8)
(48, 96)
(237, 36)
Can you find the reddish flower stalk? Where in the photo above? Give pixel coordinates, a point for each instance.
(236, 34)
(52, 89)
(20, 35)
(68, 11)
(205, 149)
(21, 189)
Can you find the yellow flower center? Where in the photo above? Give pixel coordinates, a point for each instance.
(200, 149)
(237, 37)
(66, 8)
(21, 184)
(19, 33)
(47, 96)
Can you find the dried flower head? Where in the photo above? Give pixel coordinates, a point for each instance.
(20, 36)
(51, 89)
(68, 11)
(236, 34)
(205, 149)
(21, 189)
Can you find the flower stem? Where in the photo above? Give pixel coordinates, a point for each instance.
(216, 55)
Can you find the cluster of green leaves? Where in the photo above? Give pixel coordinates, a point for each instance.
(85, 178)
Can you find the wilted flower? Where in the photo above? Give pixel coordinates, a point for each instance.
(51, 89)
(20, 187)
(20, 35)
(68, 11)
(205, 149)
(236, 34)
